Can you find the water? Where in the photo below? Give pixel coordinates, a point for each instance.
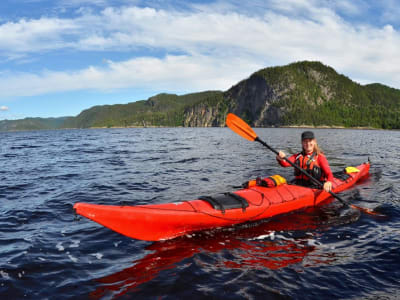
(320, 253)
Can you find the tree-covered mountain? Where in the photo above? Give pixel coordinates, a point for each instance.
(302, 93)
(307, 93)
(34, 124)
(160, 110)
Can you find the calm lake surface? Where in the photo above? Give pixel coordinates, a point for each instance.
(326, 252)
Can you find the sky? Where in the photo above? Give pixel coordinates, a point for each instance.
(59, 57)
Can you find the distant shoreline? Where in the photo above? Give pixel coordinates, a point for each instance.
(333, 127)
(286, 126)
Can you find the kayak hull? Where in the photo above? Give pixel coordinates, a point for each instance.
(165, 221)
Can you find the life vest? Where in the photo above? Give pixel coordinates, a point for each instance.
(308, 163)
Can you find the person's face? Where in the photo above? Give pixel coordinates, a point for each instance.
(308, 145)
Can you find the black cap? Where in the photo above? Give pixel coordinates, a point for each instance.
(307, 135)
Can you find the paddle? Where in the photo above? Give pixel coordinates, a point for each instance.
(244, 130)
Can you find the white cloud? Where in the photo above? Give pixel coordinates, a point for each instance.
(172, 73)
(3, 108)
(218, 47)
(27, 36)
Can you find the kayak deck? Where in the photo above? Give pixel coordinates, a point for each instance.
(165, 221)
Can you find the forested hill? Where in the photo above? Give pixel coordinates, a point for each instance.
(160, 110)
(310, 93)
(302, 93)
(34, 124)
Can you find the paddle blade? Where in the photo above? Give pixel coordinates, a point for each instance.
(367, 210)
(240, 127)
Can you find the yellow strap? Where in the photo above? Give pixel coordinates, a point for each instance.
(352, 170)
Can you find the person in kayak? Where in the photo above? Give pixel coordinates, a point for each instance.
(312, 160)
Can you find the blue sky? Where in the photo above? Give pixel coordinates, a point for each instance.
(59, 57)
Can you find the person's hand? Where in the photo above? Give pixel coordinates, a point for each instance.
(327, 186)
(280, 155)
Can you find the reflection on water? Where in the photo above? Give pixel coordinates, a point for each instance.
(272, 244)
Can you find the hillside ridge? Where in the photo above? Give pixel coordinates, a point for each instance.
(306, 92)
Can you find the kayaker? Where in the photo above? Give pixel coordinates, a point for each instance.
(312, 160)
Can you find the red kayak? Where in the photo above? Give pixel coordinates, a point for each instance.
(165, 221)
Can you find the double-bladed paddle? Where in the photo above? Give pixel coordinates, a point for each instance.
(244, 130)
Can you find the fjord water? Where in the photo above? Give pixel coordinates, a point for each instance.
(46, 252)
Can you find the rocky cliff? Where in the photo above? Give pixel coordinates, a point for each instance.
(303, 93)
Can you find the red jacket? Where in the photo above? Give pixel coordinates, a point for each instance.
(321, 160)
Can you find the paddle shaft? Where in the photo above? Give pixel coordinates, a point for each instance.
(313, 179)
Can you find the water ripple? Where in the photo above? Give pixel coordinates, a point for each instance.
(319, 253)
